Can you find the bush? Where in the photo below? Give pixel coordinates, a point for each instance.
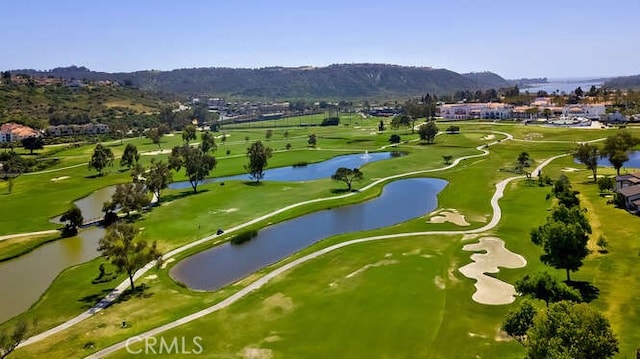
(300, 164)
(330, 121)
(244, 237)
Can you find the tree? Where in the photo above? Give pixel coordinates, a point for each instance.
(158, 178)
(588, 155)
(101, 158)
(155, 134)
(542, 285)
(381, 126)
(395, 139)
(563, 239)
(617, 147)
(519, 320)
(258, 155)
(606, 184)
(400, 120)
(428, 132)
(347, 175)
(130, 156)
(128, 197)
(268, 134)
(11, 167)
(32, 143)
(563, 192)
(447, 159)
(188, 133)
(74, 216)
(312, 141)
(208, 142)
(196, 163)
(9, 342)
(570, 330)
(578, 91)
(285, 134)
(523, 161)
(120, 248)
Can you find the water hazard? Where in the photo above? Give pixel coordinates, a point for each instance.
(400, 201)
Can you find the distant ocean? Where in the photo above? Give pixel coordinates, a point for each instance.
(563, 85)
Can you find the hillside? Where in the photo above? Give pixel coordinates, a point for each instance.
(624, 82)
(40, 105)
(352, 81)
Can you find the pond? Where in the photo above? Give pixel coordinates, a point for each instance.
(216, 267)
(634, 161)
(29, 275)
(309, 172)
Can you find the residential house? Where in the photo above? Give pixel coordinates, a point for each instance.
(629, 187)
(13, 132)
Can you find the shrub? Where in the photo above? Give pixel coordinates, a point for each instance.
(244, 236)
(330, 121)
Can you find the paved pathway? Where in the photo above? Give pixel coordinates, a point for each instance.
(10, 236)
(497, 214)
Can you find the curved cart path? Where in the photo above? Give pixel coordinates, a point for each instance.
(111, 297)
(497, 214)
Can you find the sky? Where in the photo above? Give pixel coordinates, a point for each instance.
(515, 39)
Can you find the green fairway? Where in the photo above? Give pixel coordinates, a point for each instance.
(395, 297)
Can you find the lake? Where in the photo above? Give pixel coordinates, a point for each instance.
(224, 264)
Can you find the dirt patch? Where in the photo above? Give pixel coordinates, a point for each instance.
(59, 178)
(449, 215)
(278, 301)
(490, 290)
(256, 353)
(414, 252)
(384, 262)
(272, 338)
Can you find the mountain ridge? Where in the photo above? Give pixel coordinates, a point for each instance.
(339, 81)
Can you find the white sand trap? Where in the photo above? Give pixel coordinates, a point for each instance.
(169, 134)
(164, 264)
(597, 176)
(256, 353)
(449, 215)
(59, 178)
(153, 276)
(155, 153)
(385, 262)
(490, 290)
(569, 169)
(219, 137)
(489, 137)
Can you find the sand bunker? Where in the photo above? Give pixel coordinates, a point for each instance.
(439, 282)
(59, 178)
(155, 153)
(164, 264)
(569, 169)
(489, 137)
(448, 215)
(490, 290)
(150, 277)
(385, 262)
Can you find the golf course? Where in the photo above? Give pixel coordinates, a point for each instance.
(418, 257)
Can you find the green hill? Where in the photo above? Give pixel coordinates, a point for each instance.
(344, 82)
